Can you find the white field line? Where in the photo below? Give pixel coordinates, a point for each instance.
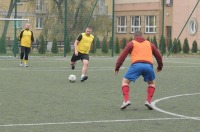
(174, 114)
(90, 122)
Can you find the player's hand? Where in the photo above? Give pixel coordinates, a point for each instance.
(157, 70)
(116, 72)
(76, 53)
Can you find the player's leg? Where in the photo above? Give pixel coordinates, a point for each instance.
(84, 70)
(131, 75)
(74, 58)
(22, 55)
(27, 51)
(85, 60)
(149, 77)
(125, 91)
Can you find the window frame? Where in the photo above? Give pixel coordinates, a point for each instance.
(121, 28)
(193, 26)
(148, 26)
(133, 26)
(39, 23)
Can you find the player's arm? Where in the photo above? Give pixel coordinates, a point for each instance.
(127, 50)
(32, 38)
(158, 57)
(76, 44)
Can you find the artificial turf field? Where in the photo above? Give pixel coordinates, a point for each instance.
(41, 99)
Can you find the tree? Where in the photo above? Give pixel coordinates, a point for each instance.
(42, 48)
(194, 47)
(186, 47)
(2, 45)
(117, 47)
(104, 46)
(54, 48)
(148, 38)
(123, 43)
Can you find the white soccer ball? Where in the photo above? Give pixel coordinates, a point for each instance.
(72, 78)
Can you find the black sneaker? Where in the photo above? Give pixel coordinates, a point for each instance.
(72, 66)
(84, 78)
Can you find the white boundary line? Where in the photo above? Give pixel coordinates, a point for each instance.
(90, 122)
(170, 113)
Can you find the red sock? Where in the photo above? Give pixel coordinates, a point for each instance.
(125, 91)
(150, 92)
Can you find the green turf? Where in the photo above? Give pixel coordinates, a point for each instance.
(41, 99)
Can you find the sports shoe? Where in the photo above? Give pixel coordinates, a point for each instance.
(73, 66)
(21, 64)
(148, 105)
(25, 65)
(125, 104)
(84, 78)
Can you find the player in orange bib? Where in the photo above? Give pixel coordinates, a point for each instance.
(141, 52)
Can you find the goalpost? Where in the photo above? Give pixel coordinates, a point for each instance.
(10, 32)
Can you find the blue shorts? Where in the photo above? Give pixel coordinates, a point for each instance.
(137, 69)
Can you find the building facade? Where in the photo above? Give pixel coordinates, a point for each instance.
(147, 16)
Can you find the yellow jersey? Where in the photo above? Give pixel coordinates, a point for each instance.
(85, 43)
(26, 38)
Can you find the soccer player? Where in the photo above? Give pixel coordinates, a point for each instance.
(82, 46)
(141, 53)
(26, 39)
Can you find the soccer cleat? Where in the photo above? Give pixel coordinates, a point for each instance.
(73, 66)
(148, 105)
(84, 78)
(21, 64)
(25, 65)
(125, 104)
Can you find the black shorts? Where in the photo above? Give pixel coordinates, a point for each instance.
(80, 56)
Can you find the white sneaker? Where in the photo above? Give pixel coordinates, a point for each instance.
(21, 64)
(148, 105)
(25, 65)
(125, 104)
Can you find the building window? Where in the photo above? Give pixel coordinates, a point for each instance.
(150, 26)
(135, 23)
(121, 24)
(192, 27)
(39, 5)
(39, 23)
(169, 2)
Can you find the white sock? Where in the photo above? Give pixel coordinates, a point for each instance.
(82, 76)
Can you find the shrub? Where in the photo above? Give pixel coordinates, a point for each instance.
(110, 43)
(2, 45)
(194, 47)
(42, 48)
(169, 45)
(175, 46)
(93, 48)
(123, 43)
(104, 46)
(130, 39)
(98, 45)
(54, 48)
(117, 47)
(162, 46)
(179, 46)
(186, 47)
(155, 41)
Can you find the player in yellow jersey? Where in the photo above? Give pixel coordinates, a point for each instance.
(26, 39)
(82, 46)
